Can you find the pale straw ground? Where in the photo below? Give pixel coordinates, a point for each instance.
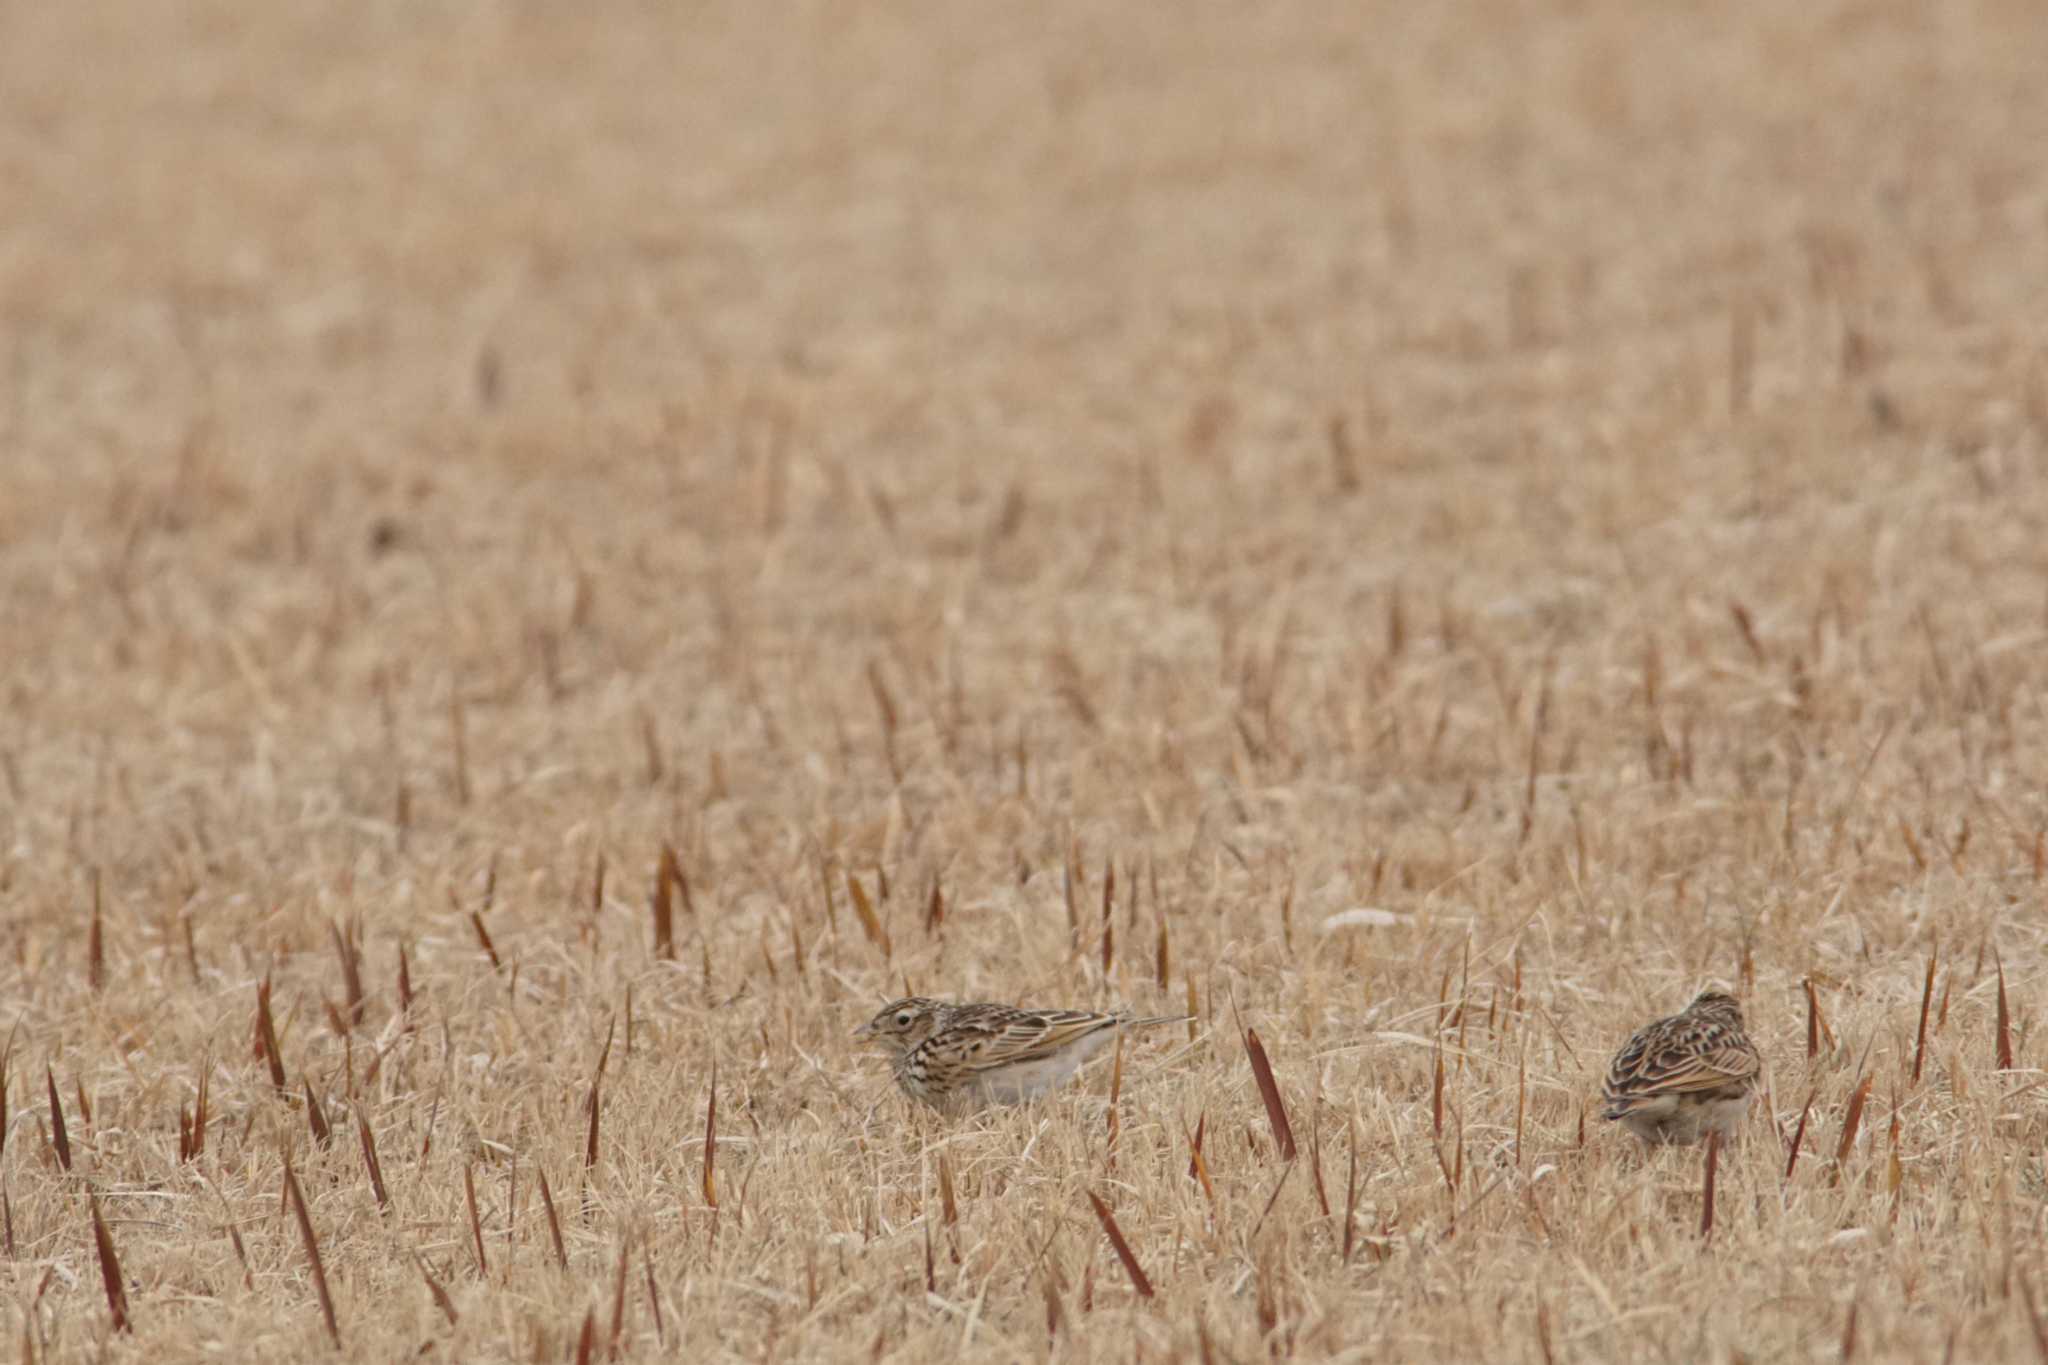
(1485, 517)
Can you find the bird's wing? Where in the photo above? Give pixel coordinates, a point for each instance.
(1653, 1065)
(999, 1038)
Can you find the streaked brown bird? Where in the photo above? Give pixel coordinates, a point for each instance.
(958, 1057)
(1685, 1076)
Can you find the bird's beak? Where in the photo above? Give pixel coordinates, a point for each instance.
(866, 1030)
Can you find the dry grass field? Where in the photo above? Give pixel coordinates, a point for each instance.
(1053, 503)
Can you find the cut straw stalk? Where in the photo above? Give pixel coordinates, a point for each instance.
(2005, 1052)
(593, 1102)
(1851, 1122)
(297, 1199)
(1139, 1281)
(877, 932)
(370, 1162)
(351, 973)
(547, 1199)
(266, 1035)
(1926, 1006)
(60, 1137)
(476, 1222)
(1269, 1091)
(711, 1140)
(1198, 1167)
(668, 874)
(1707, 1185)
(110, 1270)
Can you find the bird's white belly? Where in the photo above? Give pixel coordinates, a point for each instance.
(1018, 1081)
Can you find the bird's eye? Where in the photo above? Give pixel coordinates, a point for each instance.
(903, 1019)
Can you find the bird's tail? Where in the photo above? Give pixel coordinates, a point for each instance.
(1153, 1020)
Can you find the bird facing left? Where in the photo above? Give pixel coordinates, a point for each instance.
(959, 1057)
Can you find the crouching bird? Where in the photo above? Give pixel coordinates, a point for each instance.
(962, 1057)
(1683, 1077)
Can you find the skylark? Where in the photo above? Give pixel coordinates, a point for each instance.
(961, 1057)
(1685, 1076)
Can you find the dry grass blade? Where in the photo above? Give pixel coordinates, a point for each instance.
(1315, 1165)
(547, 1199)
(1108, 918)
(404, 982)
(711, 1139)
(201, 1107)
(1799, 1133)
(1350, 1194)
(1926, 1005)
(440, 1295)
(483, 939)
(1436, 1092)
(1198, 1168)
(370, 1162)
(1269, 1091)
(1707, 1185)
(831, 906)
(427, 1138)
(6, 1056)
(1049, 1290)
(1913, 849)
(593, 1102)
(1120, 1246)
(316, 1117)
(1521, 1100)
(1851, 1122)
(666, 874)
(586, 1339)
(95, 945)
(1812, 1019)
(877, 933)
(2005, 1052)
(266, 1035)
(1272, 1199)
(110, 1270)
(1072, 894)
(1820, 1035)
(312, 1242)
(476, 1223)
(60, 1138)
(351, 973)
(931, 1276)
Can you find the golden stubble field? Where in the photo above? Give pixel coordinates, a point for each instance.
(1119, 487)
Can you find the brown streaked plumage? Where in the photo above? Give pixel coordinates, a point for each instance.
(1685, 1076)
(960, 1057)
